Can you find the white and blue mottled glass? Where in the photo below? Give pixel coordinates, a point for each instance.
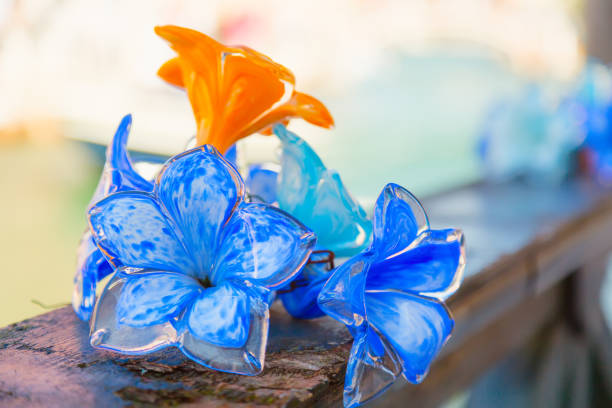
(118, 175)
(529, 136)
(391, 296)
(197, 265)
(316, 196)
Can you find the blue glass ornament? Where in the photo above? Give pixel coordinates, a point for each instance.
(529, 136)
(118, 175)
(197, 265)
(390, 296)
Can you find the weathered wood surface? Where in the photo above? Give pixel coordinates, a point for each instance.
(522, 242)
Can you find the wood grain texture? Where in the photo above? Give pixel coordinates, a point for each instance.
(522, 242)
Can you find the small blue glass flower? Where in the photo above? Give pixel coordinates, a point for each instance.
(197, 265)
(118, 175)
(390, 296)
(315, 195)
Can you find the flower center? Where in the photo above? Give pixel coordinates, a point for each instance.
(205, 282)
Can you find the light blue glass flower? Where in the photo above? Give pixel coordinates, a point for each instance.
(316, 196)
(529, 136)
(197, 265)
(390, 296)
(118, 175)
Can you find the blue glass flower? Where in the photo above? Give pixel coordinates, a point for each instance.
(316, 196)
(197, 265)
(390, 296)
(118, 175)
(529, 136)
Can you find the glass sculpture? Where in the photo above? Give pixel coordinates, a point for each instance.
(391, 296)
(196, 264)
(196, 257)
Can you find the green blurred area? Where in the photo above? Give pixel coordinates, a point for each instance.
(45, 189)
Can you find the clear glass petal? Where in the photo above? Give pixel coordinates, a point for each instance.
(247, 359)
(220, 316)
(200, 190)
(373, 366)
(91, 268)
(432, 265)
(342, 295)
(154, 297)
(398, 219)
(107, 333)
(263, 245)
(132, 231)
(261, 183)
(416, 327)
(316, 196)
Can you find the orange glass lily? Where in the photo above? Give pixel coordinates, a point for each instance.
(234, 91)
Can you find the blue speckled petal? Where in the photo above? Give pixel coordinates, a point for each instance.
(200, 190)
(433, 265)
(372, 367)
(415, 326)
(154, 297)
(224, 319)
(398, 219)
(118, 173)
(261, 183)
(132, 230)
(91, 268)
(316, 196)
(342, 295)
(220, 316)
(108, 333)
(263, 245)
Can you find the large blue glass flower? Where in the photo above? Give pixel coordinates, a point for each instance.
(118, 175)
(197, 265)
(316, 196)
(391, 295)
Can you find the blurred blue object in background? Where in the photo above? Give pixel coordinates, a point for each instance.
(531, 136)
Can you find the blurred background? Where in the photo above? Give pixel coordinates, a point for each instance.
(408, 83)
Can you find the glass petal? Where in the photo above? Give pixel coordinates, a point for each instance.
(373, 366)
(220, 316)
(246, 359)
(316, 196)
(416, 327)
(132, 231)
(91, 268)
(432, 265)
(263, 245)
(200, 190)
(398, 219)
(108, 333)
(154, 297)
(342, 295)
(261, 183)
(300, 296)
(118, 173)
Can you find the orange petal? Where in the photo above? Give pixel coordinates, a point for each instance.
(234, 91)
